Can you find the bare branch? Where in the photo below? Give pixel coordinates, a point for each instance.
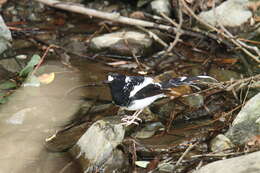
(116, 17)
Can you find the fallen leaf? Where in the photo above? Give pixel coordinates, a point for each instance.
(254, 141)
(7, 85)
(137, 15)
(29, 67)
(142, 164)
(46, 78)
(226, 60)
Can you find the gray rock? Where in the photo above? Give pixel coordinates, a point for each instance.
(246, 124)
(5, 36)
(231, 13)
(220, 143)
(223, 74)
(161, 6)
(98, 144)
(247, 163)
(250, 112)
(148, 131)
(10, 64)
(123, 42)
(195, 101)
(166, 167)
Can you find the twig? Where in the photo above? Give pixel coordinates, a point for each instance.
(179, 33)
(96, 84)
(225, 35)
(210, 122)
(247, 91)
(136, 59)
(169, 19)
(153, 36)
(77, 8)
(43, 57)
(224, 154)
(229, 37)
(116, 17)
(185, 153)
(66, 167)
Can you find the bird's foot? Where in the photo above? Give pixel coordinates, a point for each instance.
(128, 120)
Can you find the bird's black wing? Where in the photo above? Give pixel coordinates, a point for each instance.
(147, 91)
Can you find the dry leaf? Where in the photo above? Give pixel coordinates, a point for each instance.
(226, 60)
(137, 15)
(254, 141)
(46, 78)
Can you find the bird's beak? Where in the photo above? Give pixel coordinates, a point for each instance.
(106, 82)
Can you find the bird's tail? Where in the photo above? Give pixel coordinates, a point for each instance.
(191, 81)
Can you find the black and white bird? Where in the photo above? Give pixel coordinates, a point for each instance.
(135, 93)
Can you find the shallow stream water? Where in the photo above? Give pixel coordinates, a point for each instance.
(32, 114)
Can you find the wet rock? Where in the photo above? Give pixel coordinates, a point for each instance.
(97, 146)
(194, 101)
(22, 44)
(16, 11)
(164, 109)
(166, 167)
(123, 42)
(148, 131)
(223, 75)
(250, 112)
(4, 74)
(246, 125)
(10, 64)
(76, 46)
(5, 36)
(231, 13)
(220, 143)
(161, 6)
(247, 163)
(65, 139)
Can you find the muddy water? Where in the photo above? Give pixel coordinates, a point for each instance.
(35, 113)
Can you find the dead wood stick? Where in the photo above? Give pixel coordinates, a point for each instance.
(77, 8)
(227, 36)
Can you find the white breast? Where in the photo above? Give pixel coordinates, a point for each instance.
(142, 103)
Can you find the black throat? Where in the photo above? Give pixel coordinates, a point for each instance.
(121, 87)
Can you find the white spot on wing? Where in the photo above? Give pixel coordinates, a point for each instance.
(147, 81)
(207, 77)
(183, 78)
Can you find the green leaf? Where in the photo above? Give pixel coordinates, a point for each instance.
(3, 99)
(8, 85)
(29, 67)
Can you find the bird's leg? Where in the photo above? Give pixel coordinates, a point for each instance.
(128, 120)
